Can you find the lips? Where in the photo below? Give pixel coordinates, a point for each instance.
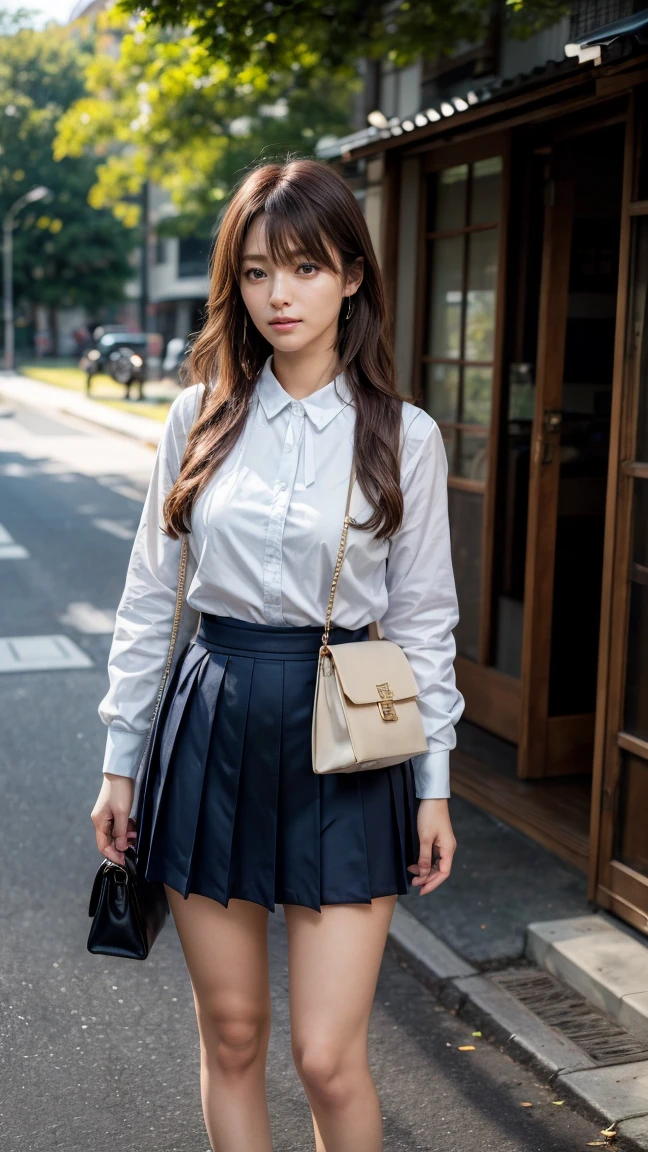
(285, 324)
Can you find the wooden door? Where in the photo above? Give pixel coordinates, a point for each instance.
(619, 830)
(569, 452)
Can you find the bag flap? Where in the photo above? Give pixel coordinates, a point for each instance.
(365, 667)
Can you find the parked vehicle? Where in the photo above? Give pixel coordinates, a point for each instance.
(128, 357)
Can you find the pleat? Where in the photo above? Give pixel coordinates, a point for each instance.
(176, 806)
(411, 815)
(252, 859)
(223, 759)
(300, 818)
(169, 713)
(398, 803)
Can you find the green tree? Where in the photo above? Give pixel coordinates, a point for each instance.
(339, 32)
(161, 106)
(65, 251)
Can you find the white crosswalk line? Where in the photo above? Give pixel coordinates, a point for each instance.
(116, 528)
(9, 550)
(40, 654)
(86, 618)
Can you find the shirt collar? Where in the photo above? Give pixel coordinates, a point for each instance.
(320, 407)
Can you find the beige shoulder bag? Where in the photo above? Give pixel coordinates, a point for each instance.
(366, 713)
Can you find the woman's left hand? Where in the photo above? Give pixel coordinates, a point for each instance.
(437, 845)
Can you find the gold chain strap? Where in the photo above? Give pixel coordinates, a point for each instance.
(338, 564)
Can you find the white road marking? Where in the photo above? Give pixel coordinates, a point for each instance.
(86, 618)
(116, 528)
(13, 552)
(9, 550)
(40, 654)
(126, 490)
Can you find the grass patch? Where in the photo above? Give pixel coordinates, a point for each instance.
(105, 390)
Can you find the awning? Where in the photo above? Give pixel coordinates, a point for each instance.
(635, 27)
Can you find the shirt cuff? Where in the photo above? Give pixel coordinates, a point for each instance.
(432, 775)
(123, 752)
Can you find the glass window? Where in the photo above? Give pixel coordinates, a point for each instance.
(465, 510)
(480, 304)
(449, 204)
(446, 297)
(442, 391)
(636, 690)
(486, 191)
(478, 388)
(631, 841)
(471, 460)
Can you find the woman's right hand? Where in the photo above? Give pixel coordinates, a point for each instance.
(110, 816)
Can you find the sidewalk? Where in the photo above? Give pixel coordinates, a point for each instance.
(511, 943)
(48, 397)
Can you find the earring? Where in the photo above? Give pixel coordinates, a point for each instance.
(349, 309)
(244, 327)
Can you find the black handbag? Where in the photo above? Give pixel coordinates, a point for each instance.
(128, 911)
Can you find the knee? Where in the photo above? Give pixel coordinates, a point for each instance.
(328, 1075)
(232, 1041)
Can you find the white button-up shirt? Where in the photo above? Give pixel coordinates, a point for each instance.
(263, 543)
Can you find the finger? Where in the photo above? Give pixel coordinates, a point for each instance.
(120, 829)
(105, 834)
(439, 873)
(107, 848)
(424, 862)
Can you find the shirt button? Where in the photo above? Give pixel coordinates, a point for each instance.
(297, 408)
(283, 486)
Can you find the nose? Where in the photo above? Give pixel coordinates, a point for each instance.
(280, 295)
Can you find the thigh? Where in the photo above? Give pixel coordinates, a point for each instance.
(226, 950)
(334, 959)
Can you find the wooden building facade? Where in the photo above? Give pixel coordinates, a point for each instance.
(512, 227)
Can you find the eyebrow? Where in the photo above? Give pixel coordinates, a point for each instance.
(294, 253)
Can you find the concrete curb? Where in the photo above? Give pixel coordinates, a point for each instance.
(47, 397)
(607, 1094)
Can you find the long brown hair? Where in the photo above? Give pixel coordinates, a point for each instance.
(309, 207)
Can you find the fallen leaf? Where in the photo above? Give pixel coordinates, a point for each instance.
(525, 1104)
(609, 1132)
(476, 1033)
(557, 1102)
(466, 1048)
(596, 1143)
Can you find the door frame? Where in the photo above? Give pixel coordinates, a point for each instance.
(611, 883)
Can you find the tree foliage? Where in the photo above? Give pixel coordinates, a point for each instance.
(65, 252)
(338, 32)
(189, 93)
(160, 106)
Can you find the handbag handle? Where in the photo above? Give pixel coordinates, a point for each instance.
(338, 563)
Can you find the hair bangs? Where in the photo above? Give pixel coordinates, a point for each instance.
(292, 225)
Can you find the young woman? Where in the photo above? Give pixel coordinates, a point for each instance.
(294, 376)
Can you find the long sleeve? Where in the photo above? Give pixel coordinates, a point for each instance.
(422, 609)
(145, 613)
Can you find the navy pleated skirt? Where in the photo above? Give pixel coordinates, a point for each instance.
(232, 808)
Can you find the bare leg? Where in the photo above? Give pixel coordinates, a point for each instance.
(226, 950)
(334, 958)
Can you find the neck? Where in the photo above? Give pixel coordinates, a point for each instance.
(304, 372)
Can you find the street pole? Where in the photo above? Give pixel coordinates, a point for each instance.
(7, 282)
(7, 269)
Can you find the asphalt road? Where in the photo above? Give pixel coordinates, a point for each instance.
(99, 1054)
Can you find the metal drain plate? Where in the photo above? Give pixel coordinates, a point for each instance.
(555, 1004)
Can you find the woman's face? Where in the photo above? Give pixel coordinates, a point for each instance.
(293, 305)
